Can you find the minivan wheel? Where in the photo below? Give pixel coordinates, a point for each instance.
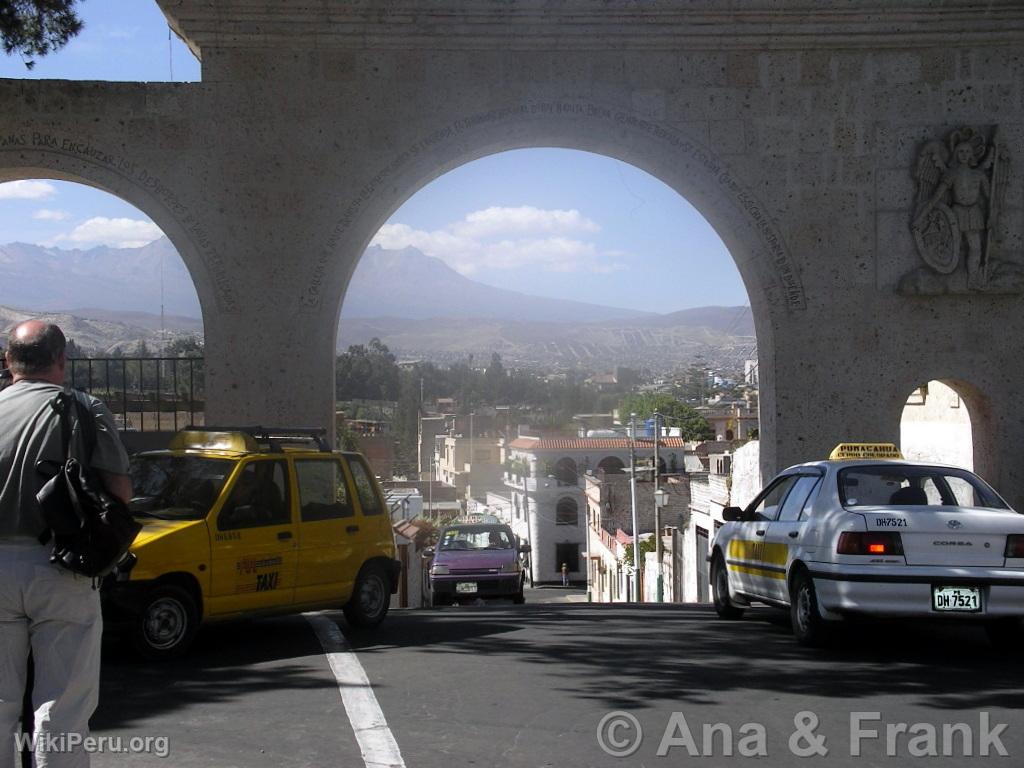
(808, 627)
(370, 599)
(724, 606)
(167, 623)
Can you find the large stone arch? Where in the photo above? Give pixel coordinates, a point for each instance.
(131, 182)
(684, 163)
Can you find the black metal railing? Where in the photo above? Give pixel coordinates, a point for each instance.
(145, 394)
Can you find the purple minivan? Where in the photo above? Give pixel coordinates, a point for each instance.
(476, 560)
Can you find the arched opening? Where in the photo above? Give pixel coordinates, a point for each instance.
(521, 237)
(936, 425)
(106, 272)
(566, 472)
(567, 511)
(611, 465)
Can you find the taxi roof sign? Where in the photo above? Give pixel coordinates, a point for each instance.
(865, 451)
(210, 440)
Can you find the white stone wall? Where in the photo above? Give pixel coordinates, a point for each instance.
(746, 480)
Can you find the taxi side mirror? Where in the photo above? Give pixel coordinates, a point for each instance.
(427, 553)
(733, 514)
(524, 548)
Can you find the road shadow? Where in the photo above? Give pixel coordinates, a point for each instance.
(228, 662)
(687, 654)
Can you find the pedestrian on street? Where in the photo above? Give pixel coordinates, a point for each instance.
(44, 608)
(565, 574)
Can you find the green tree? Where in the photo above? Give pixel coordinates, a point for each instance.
(646, 545)
(367, 373)
(184, 346)
(674, 414)
(30, 28)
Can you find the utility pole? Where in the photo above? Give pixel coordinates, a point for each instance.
(632, 498)
(658, 548)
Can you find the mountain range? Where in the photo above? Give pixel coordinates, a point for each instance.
(416, 304)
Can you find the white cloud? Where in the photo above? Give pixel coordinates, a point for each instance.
(116, 233)
(501, 238)
(27, 190)
(48, 214)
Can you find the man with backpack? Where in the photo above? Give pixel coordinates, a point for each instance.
(46, 609)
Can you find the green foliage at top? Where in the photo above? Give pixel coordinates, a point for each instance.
(32, 28)
(674, 413)
(646, 545)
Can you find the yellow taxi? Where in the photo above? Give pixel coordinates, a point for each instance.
(242, 522)
(867, 534)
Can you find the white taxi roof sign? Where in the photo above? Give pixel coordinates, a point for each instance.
(865, 451)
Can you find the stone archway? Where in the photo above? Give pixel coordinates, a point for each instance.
(82, 164)
(683, 163)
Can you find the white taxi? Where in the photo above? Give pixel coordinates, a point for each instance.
(868, 534)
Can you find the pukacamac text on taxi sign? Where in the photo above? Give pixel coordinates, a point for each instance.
(865, 451)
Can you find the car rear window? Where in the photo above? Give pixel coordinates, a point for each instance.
(475, 537)
(902, 485)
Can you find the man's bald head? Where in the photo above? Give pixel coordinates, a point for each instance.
(36, 350)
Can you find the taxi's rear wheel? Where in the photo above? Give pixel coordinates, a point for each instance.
(167, 623)
(808, 626)
(720, 590)
(370, 599)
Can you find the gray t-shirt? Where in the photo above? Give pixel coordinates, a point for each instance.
(29, 433)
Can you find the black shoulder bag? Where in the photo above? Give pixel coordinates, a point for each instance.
(91, 529)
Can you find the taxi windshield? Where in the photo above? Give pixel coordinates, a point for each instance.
(474, 537)
(176, 487)
(901, 485)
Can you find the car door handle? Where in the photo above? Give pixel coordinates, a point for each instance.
(284, 535)
(351, 528)
(759, 533)
(793, 534)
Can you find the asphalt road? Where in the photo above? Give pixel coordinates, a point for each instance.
(508, 685)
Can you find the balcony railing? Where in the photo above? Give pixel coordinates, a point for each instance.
(145, 394)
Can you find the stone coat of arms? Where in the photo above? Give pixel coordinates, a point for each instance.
(960, 190)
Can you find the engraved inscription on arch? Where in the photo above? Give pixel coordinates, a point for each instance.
(30, 145)
(779, 261)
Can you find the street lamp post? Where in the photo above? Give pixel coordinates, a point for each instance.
(632, 498)
(658, 495)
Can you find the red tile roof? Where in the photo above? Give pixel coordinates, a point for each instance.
(590, 443)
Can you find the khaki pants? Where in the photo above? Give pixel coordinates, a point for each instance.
(55, 614)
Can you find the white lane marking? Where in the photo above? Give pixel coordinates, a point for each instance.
(376, 742)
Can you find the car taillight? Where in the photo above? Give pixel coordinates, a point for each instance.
(855, 543)
(1014, 545)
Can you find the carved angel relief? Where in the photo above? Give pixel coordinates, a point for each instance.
(960, 186)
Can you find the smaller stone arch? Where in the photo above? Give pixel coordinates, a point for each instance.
(566, 472)
(611, 465)
(948, 421)
(567, 511)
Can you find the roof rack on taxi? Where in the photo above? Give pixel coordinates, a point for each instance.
(274, 438)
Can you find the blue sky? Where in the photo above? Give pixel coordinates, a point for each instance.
(549, 222)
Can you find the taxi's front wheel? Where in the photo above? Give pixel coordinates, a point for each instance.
(371, 597)
(808, 626)
(720, 590)
(167, 623)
